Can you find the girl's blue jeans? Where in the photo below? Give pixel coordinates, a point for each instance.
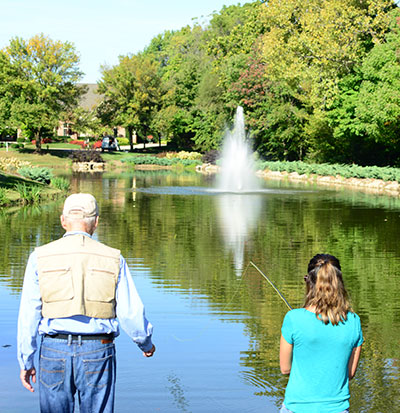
(83, 367)
(284, 409)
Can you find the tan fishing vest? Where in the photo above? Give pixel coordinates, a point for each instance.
(77, 276)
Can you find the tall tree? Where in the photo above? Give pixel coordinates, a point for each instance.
(309, 46)
(132, 94)
(365, 117)
(44, 83)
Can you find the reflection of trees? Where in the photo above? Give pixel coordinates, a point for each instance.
(21, 231)
(178, 238)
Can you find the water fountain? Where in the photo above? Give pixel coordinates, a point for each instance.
(237, 164)
(238, 200)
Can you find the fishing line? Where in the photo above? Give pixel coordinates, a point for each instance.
(272, 284)
(207, 326)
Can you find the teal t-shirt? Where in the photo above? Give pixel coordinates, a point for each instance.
(319, 380)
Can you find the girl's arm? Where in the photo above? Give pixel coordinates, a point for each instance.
(353, 362)
(285, 356)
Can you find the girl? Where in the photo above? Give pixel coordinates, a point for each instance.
(320, 343)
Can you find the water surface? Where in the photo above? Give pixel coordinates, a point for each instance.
(217, 322)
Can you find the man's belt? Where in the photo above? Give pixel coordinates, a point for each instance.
(75, 337)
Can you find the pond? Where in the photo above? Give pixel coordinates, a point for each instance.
(217, 321)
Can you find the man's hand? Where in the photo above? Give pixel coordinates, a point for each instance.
(25, 377)
(150, 352)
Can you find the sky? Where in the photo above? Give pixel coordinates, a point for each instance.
(101, 30)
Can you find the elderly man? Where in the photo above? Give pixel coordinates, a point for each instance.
(74, 290)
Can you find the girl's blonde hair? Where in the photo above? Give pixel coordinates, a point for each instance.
(325, 289)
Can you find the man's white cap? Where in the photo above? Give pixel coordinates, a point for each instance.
(80, 206)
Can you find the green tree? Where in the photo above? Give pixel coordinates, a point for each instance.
(132, 93)
(183, 62)
(310, 46)
(43, 83)
(198, 65)
(365, 117)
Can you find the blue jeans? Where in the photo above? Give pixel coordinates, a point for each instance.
(284, 409)
(85, 367)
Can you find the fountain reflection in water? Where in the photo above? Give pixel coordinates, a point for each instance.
(239, 201)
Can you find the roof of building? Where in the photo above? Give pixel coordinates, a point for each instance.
(90, 99)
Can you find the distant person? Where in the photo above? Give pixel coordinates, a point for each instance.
(320, 343)
(74, 288)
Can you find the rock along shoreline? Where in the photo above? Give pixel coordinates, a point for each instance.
(376, 186)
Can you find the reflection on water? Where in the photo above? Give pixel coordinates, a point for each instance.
(226, 357)
(238, 214)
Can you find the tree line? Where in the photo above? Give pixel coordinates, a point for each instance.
(318, 81)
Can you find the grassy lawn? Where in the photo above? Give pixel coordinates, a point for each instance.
(50, 158)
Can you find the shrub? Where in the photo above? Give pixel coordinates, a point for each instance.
(60, 183)
(82, 144)
(184, 155)
(42, 175)
(211, 156)
(17, 145)
(324, 169)
(153, 160)
(12, 164)
(86, 156)
(64, 138)
(122, 141)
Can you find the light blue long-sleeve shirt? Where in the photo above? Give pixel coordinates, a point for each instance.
(129, 311)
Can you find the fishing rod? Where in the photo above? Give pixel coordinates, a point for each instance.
(272, 285)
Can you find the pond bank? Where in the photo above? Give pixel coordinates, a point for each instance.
(377, 186)
(16, 191)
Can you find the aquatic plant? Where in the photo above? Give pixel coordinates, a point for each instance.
(60, 183)
(3, 196)
(29, 193)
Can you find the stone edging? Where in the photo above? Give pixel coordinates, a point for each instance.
(88, 166)
(366, 184)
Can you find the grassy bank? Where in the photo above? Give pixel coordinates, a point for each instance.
(58, 159)
(17, 190)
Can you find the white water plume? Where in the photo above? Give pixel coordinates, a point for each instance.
(239, 206)
(237, 171)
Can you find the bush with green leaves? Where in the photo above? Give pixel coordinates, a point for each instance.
(154, 160)
(86, 156)
(346, 171)
(38, 174)
(123, 141)
(184, 155)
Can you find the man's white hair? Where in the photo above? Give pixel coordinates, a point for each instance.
(89, 223)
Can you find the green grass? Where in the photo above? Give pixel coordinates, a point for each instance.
(55, 145)
(49, 159)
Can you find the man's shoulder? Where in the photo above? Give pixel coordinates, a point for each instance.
(74, 240)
